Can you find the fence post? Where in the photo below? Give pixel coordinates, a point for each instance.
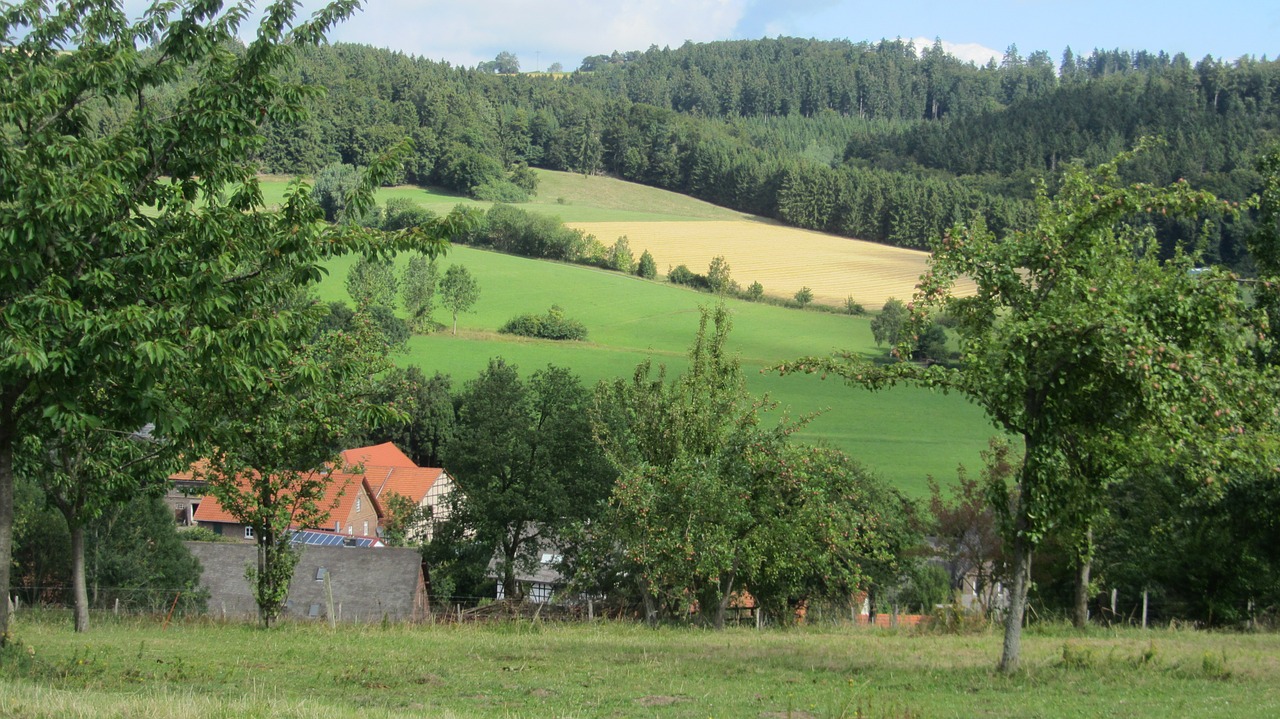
(1113, 602)
(328, 593)
(1144, 607)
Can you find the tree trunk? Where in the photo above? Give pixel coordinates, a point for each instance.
(8, 437)
(1084, 564)
(79, 589)
(722, 604)
(871, 606)
(1017, 603)
(650, 606)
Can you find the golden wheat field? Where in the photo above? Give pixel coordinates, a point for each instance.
(782, 259)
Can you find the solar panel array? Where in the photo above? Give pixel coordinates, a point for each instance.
(329, 539)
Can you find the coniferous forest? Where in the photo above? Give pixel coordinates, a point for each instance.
(879, 141)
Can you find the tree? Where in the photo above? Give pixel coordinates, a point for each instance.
(555, 67)
(334, 184)
(620, 257)
(418, 285)
(1081, 339)
(646, 267)
(718, 278)
(707, 502)
(269, 449)
(755, 292)
(803, 297)
(372, 283)
(428, 423)
(458, 291)
(888, 326)
(504, 63)
(526, 462)
(83, 473)
(142, 250)
(966, 527)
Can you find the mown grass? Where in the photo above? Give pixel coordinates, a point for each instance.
(132, 668)
(904, 434)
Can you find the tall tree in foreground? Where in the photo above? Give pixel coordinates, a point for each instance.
(1080, 335)
(143, 249)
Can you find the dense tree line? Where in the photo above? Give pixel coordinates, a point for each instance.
(875, 140)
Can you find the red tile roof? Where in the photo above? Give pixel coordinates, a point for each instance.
(382, 455)
(339, 499)
(409, 482)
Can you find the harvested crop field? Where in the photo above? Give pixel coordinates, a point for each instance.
(782, 259)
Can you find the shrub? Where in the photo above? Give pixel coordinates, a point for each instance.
(620, 257)
(500, 191)
(402, 213)
(853, 308)
(551, 326)
(755, 292)
(682, 275)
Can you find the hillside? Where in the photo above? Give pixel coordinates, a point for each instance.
(904, 434)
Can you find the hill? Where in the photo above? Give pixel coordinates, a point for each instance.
(905, 434)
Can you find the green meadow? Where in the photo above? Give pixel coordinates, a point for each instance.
(136, 668)
(904, 434)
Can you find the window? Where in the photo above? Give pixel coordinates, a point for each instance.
(366, 529)
(248, 532)
(320, 574)
(357, 503)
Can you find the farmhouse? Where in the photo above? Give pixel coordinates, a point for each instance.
(352, 506)
(356, 496)
(366, 585)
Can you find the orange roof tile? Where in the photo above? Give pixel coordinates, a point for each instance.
(339, 499)
(410, 482)
(382, 455)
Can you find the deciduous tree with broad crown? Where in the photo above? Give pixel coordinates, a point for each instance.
(144, 249)
(1082, 339)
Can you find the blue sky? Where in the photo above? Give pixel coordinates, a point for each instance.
(541, 32)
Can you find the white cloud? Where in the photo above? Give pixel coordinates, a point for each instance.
(558, 30)
(967, 51)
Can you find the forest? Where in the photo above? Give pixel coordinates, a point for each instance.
(881, 141)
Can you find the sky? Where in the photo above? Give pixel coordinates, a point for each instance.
(542, 32)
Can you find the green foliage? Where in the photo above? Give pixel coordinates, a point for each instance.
(682, 275)
(372, 282)
(803, 297)
(514, 231)
(526, 463)
(853, 308)
(426, 426)
(620, 257)
(646, 267)
(333, 190)
(268, 447)
(140, 254)
(889, 326)
(718, 279)
(755, 292)
(554, 325)
(500, 191)
(458, 292)
(418, 285)
(1094, 350)
(707, 503)
(401, 213)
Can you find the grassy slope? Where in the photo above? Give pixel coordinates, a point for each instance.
(134, 669)
(904, 434)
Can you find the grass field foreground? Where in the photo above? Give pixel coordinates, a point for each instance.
(522, 669)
